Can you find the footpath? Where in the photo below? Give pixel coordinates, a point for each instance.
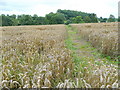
(93, 70)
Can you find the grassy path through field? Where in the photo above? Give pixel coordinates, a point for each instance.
(0, 72)
(0, 57)
(92, 70)
(0, 75)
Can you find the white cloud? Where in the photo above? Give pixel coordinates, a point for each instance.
(41, 10)
(13, 12)
(41, 7)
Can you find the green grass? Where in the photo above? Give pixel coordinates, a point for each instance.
(84, 64)
(88, 47)
(80, 62)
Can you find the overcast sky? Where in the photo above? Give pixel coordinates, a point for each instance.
(41, 7)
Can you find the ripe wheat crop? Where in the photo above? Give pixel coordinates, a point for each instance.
(34, 56)
(37, 57)
(103, 36)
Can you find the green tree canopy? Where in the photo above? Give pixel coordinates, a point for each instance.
(102, 19)
(55, 18)
(25, 19)
(93, 18)
(87, 19)
(60, 17)
(119, 19)
(111, 18)
(77, 19)
(7, 20)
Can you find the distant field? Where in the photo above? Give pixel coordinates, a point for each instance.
(38, 57)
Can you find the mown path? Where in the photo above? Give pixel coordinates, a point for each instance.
(0, 76)
(0, 73)
(0, 57)
(93, 70)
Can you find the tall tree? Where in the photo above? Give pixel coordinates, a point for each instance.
(6, 20)
(87, 19)
(111, 18)
(25, 19)
(55, 18)
(119, 19)
(77, 19)
(102, 19)
(93, 18)
(14, 20)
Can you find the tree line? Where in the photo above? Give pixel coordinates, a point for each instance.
(60, 17)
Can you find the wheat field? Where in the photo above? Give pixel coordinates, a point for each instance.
(103, 36)
(37, 57)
